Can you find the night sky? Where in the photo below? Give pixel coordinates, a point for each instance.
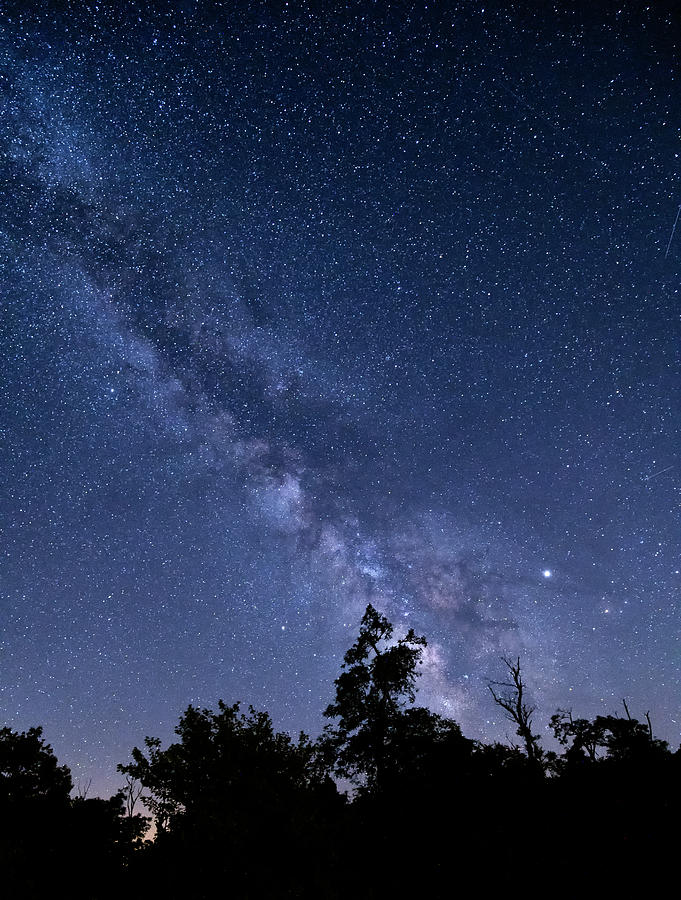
(308, 307)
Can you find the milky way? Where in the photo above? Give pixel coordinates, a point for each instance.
(307, 309)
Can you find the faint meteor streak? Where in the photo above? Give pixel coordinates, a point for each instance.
(671, 236)
(662, 471)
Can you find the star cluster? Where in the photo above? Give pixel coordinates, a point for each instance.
(305, 308)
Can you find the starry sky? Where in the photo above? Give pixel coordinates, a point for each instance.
(310, 306)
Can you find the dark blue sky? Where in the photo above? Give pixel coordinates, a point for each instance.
(304, 309)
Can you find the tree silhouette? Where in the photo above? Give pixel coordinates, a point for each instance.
(378, 680)
(517, 710)
(29, 770)
(583, 740)
(106, 838)
(41, 826)
(131, 792)
(244, 810)
(228, 791)
(223, 758)
(606, 738)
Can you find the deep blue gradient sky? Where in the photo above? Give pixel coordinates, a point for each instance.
(306, 309)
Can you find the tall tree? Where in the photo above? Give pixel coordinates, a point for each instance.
(377, 681)
(512, 701)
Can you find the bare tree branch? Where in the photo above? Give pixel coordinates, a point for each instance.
(82, 792)
(132, 791)
(517, 710)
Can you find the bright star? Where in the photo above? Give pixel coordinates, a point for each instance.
(547, 573)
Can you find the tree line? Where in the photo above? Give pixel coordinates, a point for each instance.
(241, 810)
